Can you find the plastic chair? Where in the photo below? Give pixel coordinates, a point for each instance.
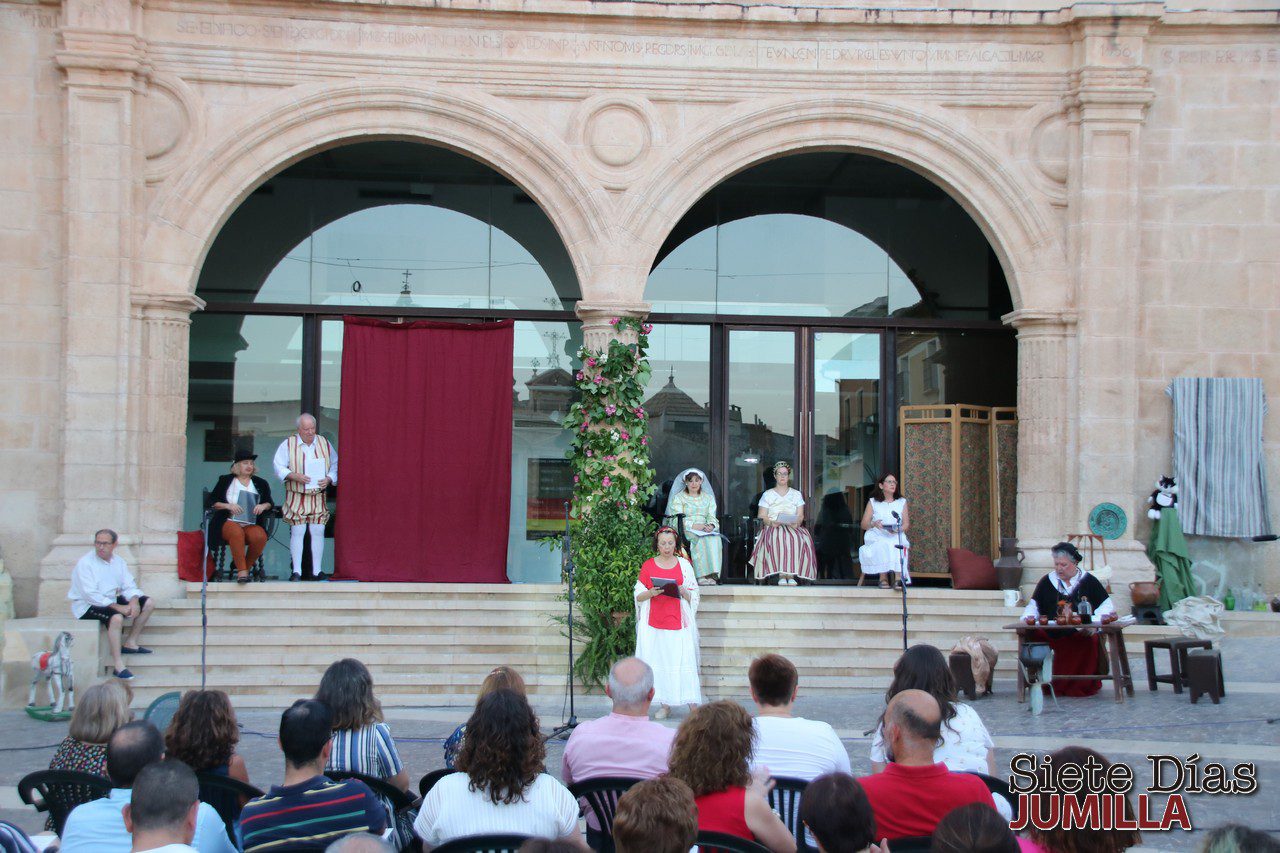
(161, 710)
(60, 791)
(227, 796)
(784, 799)
(400, 800)
(722, 842)
(601, 795)
(484, 844)
(999, 787)
(911, 844)
(427, 782)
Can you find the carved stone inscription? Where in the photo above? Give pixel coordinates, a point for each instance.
(233, 31)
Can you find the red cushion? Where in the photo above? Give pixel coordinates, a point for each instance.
(970, 570)
(190, 549)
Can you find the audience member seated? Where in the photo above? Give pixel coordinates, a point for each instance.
(362, 741)
(656, 816)
(966, 745)
(503, 786)
(163, 808)
(913, 792)
(308, 812)
(785, 745)
(836, 812)
(14, 840)
(1076, 839)
(363, 843)
(712, 755)
(103, 708)
(203, 735)
(103, 590)
(975, 828)
(499, 678)
(625, 743)
(1234, 838)
(98, 826)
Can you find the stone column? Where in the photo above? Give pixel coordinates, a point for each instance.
(162, 338)
(101, 59)
(597, 331)
(1106, 108)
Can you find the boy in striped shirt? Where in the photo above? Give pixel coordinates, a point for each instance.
(309, 811)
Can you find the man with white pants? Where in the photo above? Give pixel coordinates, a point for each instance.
(307, 464)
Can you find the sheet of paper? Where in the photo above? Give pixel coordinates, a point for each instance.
(788, 518)
(694, 532)
(315, 471)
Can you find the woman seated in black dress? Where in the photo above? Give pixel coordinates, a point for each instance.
(1074, 652)
(241, 530)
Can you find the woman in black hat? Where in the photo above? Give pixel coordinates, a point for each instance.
(239, 500)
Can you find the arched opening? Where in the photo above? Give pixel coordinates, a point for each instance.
(388, 229)
(799, 305)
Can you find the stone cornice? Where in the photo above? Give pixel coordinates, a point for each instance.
(1042, 320)
(179, 305)
(596, 311)
(98, 51)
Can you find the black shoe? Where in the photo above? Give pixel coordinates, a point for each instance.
(139, 650)
(320, 577)
(295, 577)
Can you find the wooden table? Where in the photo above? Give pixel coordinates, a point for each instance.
(1112, 637)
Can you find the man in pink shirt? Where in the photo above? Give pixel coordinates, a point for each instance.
(625, 743)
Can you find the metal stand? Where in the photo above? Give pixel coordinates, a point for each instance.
(566, 548)
(204, 590)
(902, 578)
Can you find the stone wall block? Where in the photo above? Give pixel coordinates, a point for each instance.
(1232, 329)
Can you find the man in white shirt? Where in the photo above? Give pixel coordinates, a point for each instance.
(307, 464)
(787, 746)
(103, 589)
(163, 808)
(98, 826)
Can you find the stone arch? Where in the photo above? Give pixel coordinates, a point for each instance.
(982, 179)
(187, 216)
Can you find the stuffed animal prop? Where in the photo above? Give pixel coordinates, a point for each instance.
(1165, 495)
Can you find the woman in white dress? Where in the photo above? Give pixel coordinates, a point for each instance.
(693, 497)
(879, 553)
(666, 632)
(784, 548)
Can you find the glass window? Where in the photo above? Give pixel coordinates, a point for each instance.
(390, 224)
(678, 404)
(978, 368)
(244, 390)
(828, 235)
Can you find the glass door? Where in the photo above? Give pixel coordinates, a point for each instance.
(844, 443)
(760, 427)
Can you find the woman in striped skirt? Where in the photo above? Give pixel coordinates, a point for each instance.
(784, 548)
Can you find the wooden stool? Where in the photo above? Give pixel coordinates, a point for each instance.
(1204, 674)
(962, 671)
(1178, 648)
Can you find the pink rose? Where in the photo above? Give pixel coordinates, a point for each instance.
(640, 413)
(613, 322)
(647, 327)
(580, 376)
(644, 439)
(610, 409)
(633, 489)
(598, 380)
(575, 478)
(606, 482)
(589, 453)
(625, 435)
(591, 362)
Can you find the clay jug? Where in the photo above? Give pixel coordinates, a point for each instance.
(1144, 593)
(1009, 565)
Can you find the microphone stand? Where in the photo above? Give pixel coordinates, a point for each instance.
(204, 590)
(902, 577)
(566, 546)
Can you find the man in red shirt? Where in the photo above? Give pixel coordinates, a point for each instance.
(913, 793)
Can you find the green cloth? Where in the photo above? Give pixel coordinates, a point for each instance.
(1168, 551)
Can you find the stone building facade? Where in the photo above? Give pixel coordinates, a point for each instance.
(1122, 160)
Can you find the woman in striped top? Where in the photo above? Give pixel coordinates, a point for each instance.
(362, 742)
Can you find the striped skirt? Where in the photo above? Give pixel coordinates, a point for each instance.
(305, 508)
(785, 551)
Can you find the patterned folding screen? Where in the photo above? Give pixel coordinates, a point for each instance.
(959, 473)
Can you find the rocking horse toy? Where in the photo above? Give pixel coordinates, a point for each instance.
(54, 668)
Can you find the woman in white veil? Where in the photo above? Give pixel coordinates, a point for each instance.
(666, 631)
(692, 496)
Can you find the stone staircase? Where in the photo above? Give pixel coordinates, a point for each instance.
(432, 644)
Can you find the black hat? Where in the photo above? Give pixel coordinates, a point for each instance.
(242, 455)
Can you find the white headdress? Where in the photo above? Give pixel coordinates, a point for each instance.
(679, 486)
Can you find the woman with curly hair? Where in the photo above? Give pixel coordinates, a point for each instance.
(362, 742)
(503, 786)
(966, 745)
(712, 755)
(203, 734)
(499, 678)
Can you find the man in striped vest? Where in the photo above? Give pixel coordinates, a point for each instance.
(307, 463)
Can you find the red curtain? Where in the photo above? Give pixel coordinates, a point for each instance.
(424, 477)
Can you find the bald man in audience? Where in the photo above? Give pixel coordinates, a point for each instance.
(913, 793)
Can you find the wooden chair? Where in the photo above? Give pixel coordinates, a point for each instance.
(227, 796)
(60, 791)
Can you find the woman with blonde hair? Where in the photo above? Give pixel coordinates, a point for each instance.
(712, 755)
(362, 741)
(784, 548)
(499, 678)
(103, 708)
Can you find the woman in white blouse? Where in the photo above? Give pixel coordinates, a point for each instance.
(784, 548)
(239, 500)
(966, 746)
(886, 522)
(503, 787)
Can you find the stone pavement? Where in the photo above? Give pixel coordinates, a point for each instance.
(1240, 729)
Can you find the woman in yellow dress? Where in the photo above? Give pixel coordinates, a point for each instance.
(693, 497)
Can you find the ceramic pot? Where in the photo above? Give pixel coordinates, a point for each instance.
(1009, 564)
(1144, 593)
